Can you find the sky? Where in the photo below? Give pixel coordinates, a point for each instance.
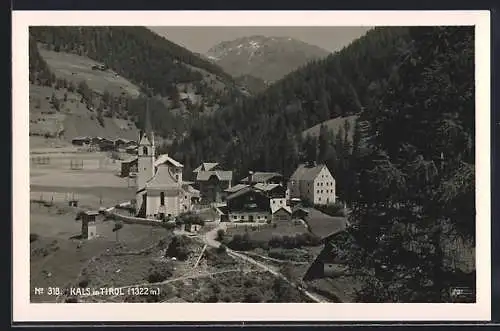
(201, 39)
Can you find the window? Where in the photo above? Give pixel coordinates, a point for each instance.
(321, 191)
(235, 217)
(145, 150)
(258, 217)
(319, 198)
(162, 198)
(317, 191)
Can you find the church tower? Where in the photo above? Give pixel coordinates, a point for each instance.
(146, 154)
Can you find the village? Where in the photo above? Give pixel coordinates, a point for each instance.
(124, 208)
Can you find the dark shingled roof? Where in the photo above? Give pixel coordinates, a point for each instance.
(243, 192)
(304, 172)
(220, 174)
(236, 188)
(261, 177)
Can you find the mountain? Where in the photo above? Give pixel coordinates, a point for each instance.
(268, 58)
(253, 134)
(179, 84)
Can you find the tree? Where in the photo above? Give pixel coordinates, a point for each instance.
(403, 211)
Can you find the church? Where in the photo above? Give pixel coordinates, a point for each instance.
(161, 192)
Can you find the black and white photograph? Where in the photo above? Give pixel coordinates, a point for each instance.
(254, 164)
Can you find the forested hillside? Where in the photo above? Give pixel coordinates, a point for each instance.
(407, 173)
(262, 133)
(416, 177)
(180, 82)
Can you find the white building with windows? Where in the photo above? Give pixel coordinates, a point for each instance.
(313, 183)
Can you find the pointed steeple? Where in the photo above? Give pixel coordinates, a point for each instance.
(147, 122)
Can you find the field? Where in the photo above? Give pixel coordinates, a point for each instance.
(76, 68)
(57, 255)
(73, 118)
(267, 232)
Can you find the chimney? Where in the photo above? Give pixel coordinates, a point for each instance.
(250, 178)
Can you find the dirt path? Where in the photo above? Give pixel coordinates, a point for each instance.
(209, 239)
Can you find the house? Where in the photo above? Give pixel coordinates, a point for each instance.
(161, 192)
(106, 145)
(276, 193)
(262, 177)
(281, 213)
(248, 205)
(235, 188)
(81, 141)
(121, 143)
(212, 184)
(129, 166)
(96, 140)
(89, 230)
(312, 183)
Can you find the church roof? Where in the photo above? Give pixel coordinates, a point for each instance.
(163, 179)
(164, 158)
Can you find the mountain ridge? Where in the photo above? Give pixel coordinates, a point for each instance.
(267, 58)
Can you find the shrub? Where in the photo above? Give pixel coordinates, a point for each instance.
(220, 235)
(178, 248)
(334, 209)
(159, 272)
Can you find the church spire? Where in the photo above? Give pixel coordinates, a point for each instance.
(148, 129)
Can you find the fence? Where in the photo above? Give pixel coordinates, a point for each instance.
(66, 198)
(40, 160)
(133, 220)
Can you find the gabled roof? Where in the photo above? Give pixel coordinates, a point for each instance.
(206, 166)
(163, 179)
(275, 208)
(304, 172)
(261, 177)
(243, 191)
(266, 187)
(164, 158)
(222, 175)
(235, 188)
